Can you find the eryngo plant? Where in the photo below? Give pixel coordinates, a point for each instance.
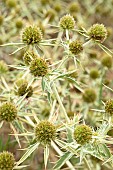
(80, 139)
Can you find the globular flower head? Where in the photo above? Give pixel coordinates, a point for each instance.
(107, 61)
(82, 134)
(94, 73)
(1, 19)
(8, 112)
(109, 107)
(89, 95)
(74, 7)
(29, 56)
(11, 3)
(31, 35)
(23, 88)
(7, 161)
(76, 47)
(57, 7)
(19, 23)
(3, 67)
(51, 14)
(38, 67)
(45, 132)
(67, 22)
(98, 32)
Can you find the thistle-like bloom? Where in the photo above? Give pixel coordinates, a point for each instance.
(76, 47)
(7, 161)
(38, 67)
(107, 61)
(22, 88)
(82, 134)
(98, 32)
(31, 35)
(94, 73)
(29, 56)
(8, 112)
(45, 132)
(67, 22)
(109, 107)
(89, 96)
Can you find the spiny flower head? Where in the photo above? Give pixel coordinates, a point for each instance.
(45, 132)
(31, 35)
(107, 61)
(82, 134)
(76, 47)
(98, 32)
(38, 67)
(22, 88)
(7, 161)
(3, 67)
(8, 112)
(109, 107)
(94, 73)
(67, 22)
(89, 95)
(29, 56)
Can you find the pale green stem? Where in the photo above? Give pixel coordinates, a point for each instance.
(60, 102)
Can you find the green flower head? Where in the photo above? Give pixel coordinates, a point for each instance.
(7, 161)
(8, 112)
(3, 67)
(109, 107)
(38, 67)
(45, 132)
(76, 47)
(89, 96)
(67, 22)
(82, 134)
(107, 61)
(94, 74)
(28, 57)
(11, 3)
(98, 32)
(31, 35)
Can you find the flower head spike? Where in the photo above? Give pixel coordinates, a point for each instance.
(31, 35)
(98, 32)
(67, 22)
(75, 47)
(109, 107)
(28, 57)
(8, 112)
(38, 67)
(7, 161)
(82, 134)
(45, 132)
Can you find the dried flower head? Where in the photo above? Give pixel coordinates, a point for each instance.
(7, 161)
(89, 95)
(31, 35)
(23, 88)
(98, 32)
(76, 47)
(109, 107)
(67, 22)
(8, 112)
(38, 67)
(94, 73)
(74, 7)
(82, 134)
(107, 61)
(45, 132)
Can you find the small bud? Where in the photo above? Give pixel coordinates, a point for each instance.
(11, 3)
(98, 32)
(75, 47)
(94, 74)
(109, 107)
(83, 134)
(31, 35)
(3, 67)
(7, 161)
(107, 61)
(89, 95)
(22, 88)
(29, 56)
(67, 22)
(45, 132)
(19, 23)
(8, 112)
(38, 67)
(57, 7)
